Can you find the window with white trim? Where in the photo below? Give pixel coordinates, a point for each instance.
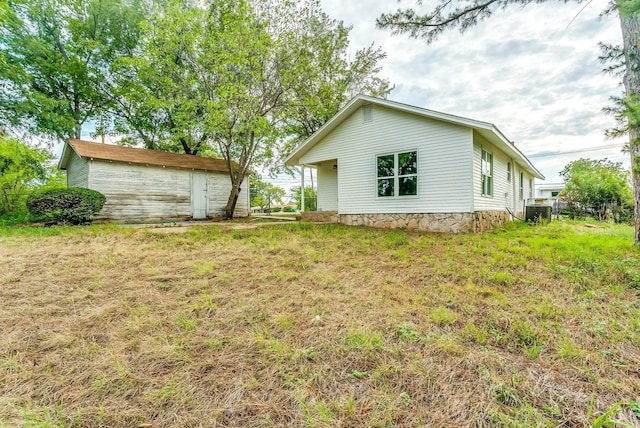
(486, 171)
(508, 172)
(397, 174)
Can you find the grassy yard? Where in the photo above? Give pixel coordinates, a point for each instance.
(319, 325)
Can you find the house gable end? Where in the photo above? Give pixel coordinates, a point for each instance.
(443, 161)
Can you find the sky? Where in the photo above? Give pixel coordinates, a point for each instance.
(533, 72)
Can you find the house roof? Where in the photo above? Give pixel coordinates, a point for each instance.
(487, 130)
(114, 153)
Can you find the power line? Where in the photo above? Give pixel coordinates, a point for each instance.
(547, 154)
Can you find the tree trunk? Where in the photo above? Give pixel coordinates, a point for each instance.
(233, 198)
(631, 45)
(634, 150)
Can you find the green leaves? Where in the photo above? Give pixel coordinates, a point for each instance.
(57, 61)
(597, 188)
(264, 194)
(22, 169)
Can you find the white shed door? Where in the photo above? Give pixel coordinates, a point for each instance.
(199, 195)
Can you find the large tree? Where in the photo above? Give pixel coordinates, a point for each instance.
(56, 57)
(597, 188)
(463, 14)
(237, 78)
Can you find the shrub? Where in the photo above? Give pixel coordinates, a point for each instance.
(287, 209)
(74, 205)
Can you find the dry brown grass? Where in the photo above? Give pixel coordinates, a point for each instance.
(301, 325)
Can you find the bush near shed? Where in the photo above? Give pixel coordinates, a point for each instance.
(74, 205)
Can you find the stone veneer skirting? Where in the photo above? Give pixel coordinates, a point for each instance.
(478, 221)
(320, 216)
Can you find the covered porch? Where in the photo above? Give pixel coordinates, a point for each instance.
(326, 186)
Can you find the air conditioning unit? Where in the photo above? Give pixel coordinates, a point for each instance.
(536, 212)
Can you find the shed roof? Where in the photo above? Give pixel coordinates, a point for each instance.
(487, 130)
(110, 152)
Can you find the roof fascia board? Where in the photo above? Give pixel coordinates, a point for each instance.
(62, 162)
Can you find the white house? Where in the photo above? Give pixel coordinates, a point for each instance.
(142, 184)
(386, 164)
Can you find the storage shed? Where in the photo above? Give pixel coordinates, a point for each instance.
(143, 184)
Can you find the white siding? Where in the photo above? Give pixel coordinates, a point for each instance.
(327, 186)
(218, 190)
(520, 203)
(502, 190)
(77, 171)
(444, 162)
(141, 192)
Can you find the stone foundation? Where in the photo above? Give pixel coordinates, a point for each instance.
(486, 220)
(479, 221)
(320, 216)
(430, 222)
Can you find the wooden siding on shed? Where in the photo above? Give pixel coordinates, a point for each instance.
(78, 171)
(218, 190)
(141, 192)
(152, 192)
(444, 162)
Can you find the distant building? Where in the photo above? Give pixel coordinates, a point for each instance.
(549, 194)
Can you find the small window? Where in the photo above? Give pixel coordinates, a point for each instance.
(486, 170)
(521, 192)
(397, 174)
(508, 172)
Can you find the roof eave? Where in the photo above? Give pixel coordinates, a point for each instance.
(509, 146)
(293, 158)
(64, 157)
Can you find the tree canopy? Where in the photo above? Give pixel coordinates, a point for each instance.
(22, 169)
(56, 60)
(241, 79)
(263, 194)
(310, 197)
(597, 188)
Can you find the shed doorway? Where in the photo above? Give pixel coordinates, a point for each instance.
(198, 195)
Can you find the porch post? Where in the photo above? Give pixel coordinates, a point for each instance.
(302, 191)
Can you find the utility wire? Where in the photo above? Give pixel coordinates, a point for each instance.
(588, 149)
